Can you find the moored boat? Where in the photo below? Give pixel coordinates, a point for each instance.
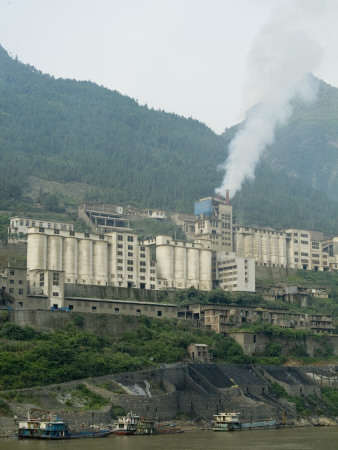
(126, 424)
(229, 421)
(55, 428)
(146, 427)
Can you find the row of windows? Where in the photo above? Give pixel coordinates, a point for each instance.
(11, 291)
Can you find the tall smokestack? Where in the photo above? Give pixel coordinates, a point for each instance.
(227, 199)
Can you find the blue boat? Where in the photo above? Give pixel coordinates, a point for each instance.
(56, 429)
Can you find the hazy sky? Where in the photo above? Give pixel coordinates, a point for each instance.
(191, 57)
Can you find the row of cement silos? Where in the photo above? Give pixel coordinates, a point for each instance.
(84, 259)
(266, 248)
(184, 266)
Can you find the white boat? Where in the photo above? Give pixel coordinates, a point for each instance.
(229, 421)
(126, 424)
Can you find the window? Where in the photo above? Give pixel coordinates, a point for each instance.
(304, 242)
(20, 281)
(120, 253)
(119, 237)
(11, 290)
(130, 247)
(119, 245)
(27, 223)
(304, 235)
(130, 238)
(11, 272)
(130, 269)
(56, 231)
(120, 268)
(55, 294)
(20, 291)
(41, 230)
(159, 313)
(142, 249)
(93, 308)
(71, 233)
(33, 223)
(296, 241)
(117, 310)
(130, 254)
(143, 270)
(142, 255)
(142, 263)
(101, 236)
(120, 261)
(130, 277)
(55, 279)
(130, 262)
(86, 235)
(11, 281)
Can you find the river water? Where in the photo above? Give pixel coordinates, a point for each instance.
(306, 438)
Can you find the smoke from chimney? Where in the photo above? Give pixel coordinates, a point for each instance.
(281, 60)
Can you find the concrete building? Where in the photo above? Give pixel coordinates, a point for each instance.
(103, 217)
(155, 214)
(114, 259)
(305, 250)
(18, 228)
(200, 353)
(223, 318)
(181, 265)
(268, 247)
(214, 222)
(128, 307)
(14, 281)
(235, 273)
(186, 222)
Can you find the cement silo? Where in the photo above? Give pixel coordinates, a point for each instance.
(100, 262)
(85, 261)
(180, 266)
(165, 262)
(36, 251)
(54, 252)
(193, 266)
(70, 259)
(205, 269)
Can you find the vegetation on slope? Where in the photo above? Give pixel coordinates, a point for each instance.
(77, 131)
(120, 152)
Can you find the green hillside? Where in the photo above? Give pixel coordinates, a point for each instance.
(64, 141)
(68, 131)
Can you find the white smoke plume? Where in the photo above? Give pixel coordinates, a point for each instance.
(281, 59)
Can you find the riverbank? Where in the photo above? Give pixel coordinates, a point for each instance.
(9, 427)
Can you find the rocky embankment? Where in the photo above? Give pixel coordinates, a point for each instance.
(189, 394)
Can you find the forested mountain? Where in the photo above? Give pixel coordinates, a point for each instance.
(68, 131)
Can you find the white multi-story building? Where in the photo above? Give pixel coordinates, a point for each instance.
(113, 259)
(18, 228)
(305, 250)
(235, 273)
